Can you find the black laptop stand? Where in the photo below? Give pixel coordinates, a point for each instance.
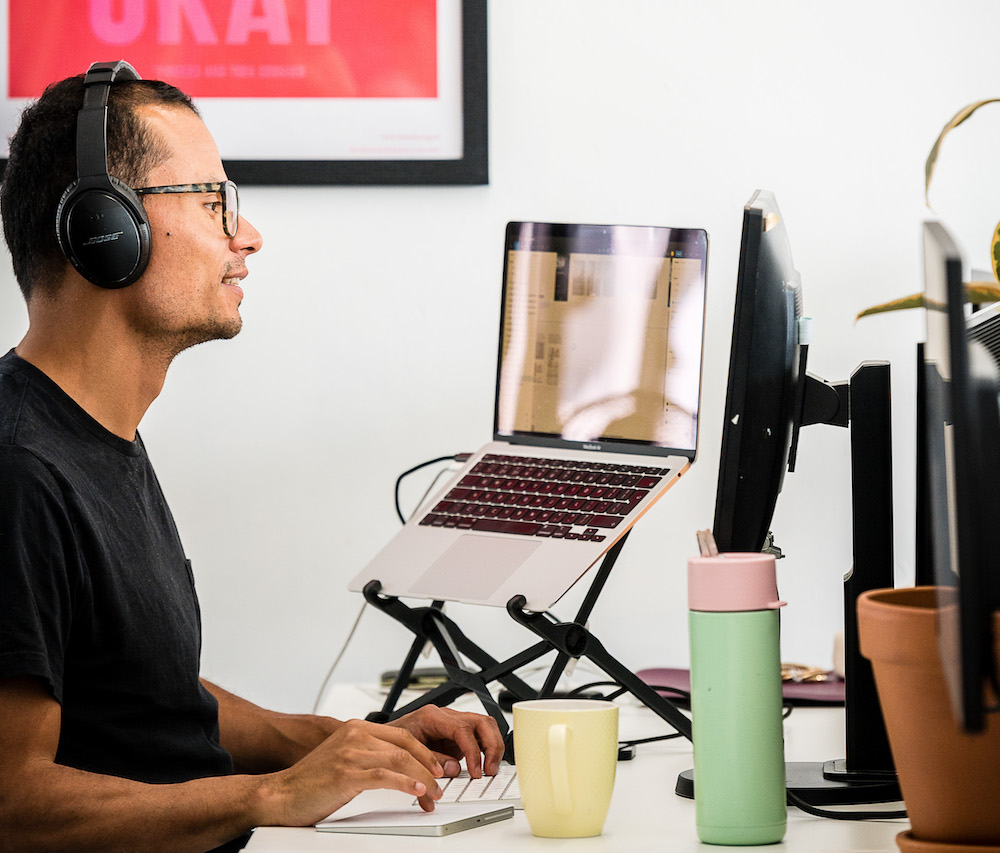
(568, 639)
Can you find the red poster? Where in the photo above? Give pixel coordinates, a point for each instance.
(233, 48)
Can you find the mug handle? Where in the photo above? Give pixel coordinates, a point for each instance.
(562, 801)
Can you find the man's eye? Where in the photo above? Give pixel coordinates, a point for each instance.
(214, 206)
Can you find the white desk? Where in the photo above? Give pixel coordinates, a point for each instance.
(645, 812)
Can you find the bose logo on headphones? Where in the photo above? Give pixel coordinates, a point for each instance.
(104, 238)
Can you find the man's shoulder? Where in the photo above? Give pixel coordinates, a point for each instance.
(30, 443)
(14, 384)
(19, 463)
(28, 482)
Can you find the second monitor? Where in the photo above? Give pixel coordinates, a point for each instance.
(770, 397)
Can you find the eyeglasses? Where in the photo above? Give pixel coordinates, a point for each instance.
(227, 192)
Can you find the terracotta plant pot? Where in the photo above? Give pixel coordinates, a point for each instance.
(950, 779)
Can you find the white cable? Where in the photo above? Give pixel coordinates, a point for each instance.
(333, 666)
(354, 627)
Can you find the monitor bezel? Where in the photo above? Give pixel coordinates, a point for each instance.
(766, 372)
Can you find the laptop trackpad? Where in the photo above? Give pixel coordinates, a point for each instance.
(474, 567)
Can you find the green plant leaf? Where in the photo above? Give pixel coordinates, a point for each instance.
(955, 121)
(976, 292)
(995, 252)
(982, 292)
(918, 300)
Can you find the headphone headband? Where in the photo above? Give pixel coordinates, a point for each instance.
(92, 123)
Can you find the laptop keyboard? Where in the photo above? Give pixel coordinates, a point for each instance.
(554, 498)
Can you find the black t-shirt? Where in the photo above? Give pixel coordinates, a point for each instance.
(96, 595)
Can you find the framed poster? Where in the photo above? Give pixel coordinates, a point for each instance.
(294, 91)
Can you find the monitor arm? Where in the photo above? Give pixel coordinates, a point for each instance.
(825, 402)
(817, 402)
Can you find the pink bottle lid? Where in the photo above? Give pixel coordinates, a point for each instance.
(733, 582)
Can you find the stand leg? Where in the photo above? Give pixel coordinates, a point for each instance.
(420, 619)
(583, 614)
(447, 693)
(406, 670)
(457, 673)
(576, 641)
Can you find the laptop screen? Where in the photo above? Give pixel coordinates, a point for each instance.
(601, 337)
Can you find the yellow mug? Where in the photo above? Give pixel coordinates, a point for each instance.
(566, 752)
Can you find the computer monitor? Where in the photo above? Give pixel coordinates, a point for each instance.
(961, 429)
(769, 398)
(766, 395)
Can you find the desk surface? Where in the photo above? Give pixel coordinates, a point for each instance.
(644, 808)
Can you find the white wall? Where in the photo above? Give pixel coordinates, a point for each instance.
(365, 347)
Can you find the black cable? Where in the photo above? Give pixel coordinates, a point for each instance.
(793, 799)
(583, 688)
(808, 808)
(456, 457)
(656, 739)
(660, 688)
(593, 685)
(610, 697)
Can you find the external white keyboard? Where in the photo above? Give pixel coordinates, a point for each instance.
(501, 788)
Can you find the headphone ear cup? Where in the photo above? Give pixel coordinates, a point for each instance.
(103, 231)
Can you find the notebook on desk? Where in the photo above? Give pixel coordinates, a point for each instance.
(595, 417)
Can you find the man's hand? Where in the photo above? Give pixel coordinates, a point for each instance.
(408, 755)
(359, 756)
(318, 764)
(454, 735)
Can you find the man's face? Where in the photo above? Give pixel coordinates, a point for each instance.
(190, 292)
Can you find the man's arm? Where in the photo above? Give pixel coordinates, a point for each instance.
(260, 740)
(46, 806)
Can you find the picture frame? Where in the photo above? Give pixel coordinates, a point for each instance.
(471, 168)
(435, 136)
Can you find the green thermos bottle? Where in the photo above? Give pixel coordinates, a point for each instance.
(739, 752)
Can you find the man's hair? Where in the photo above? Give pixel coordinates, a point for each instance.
(42, 164)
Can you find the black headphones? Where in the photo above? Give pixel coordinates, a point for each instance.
(100, 223)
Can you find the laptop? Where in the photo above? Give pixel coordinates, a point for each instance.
(595, 417)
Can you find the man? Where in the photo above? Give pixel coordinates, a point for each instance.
(109, 740)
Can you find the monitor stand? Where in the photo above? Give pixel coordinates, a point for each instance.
(867, 773)
(868, 762)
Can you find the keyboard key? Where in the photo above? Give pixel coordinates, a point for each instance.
(453, 789)
(476, 789)
(503, 786)
(501, 525)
